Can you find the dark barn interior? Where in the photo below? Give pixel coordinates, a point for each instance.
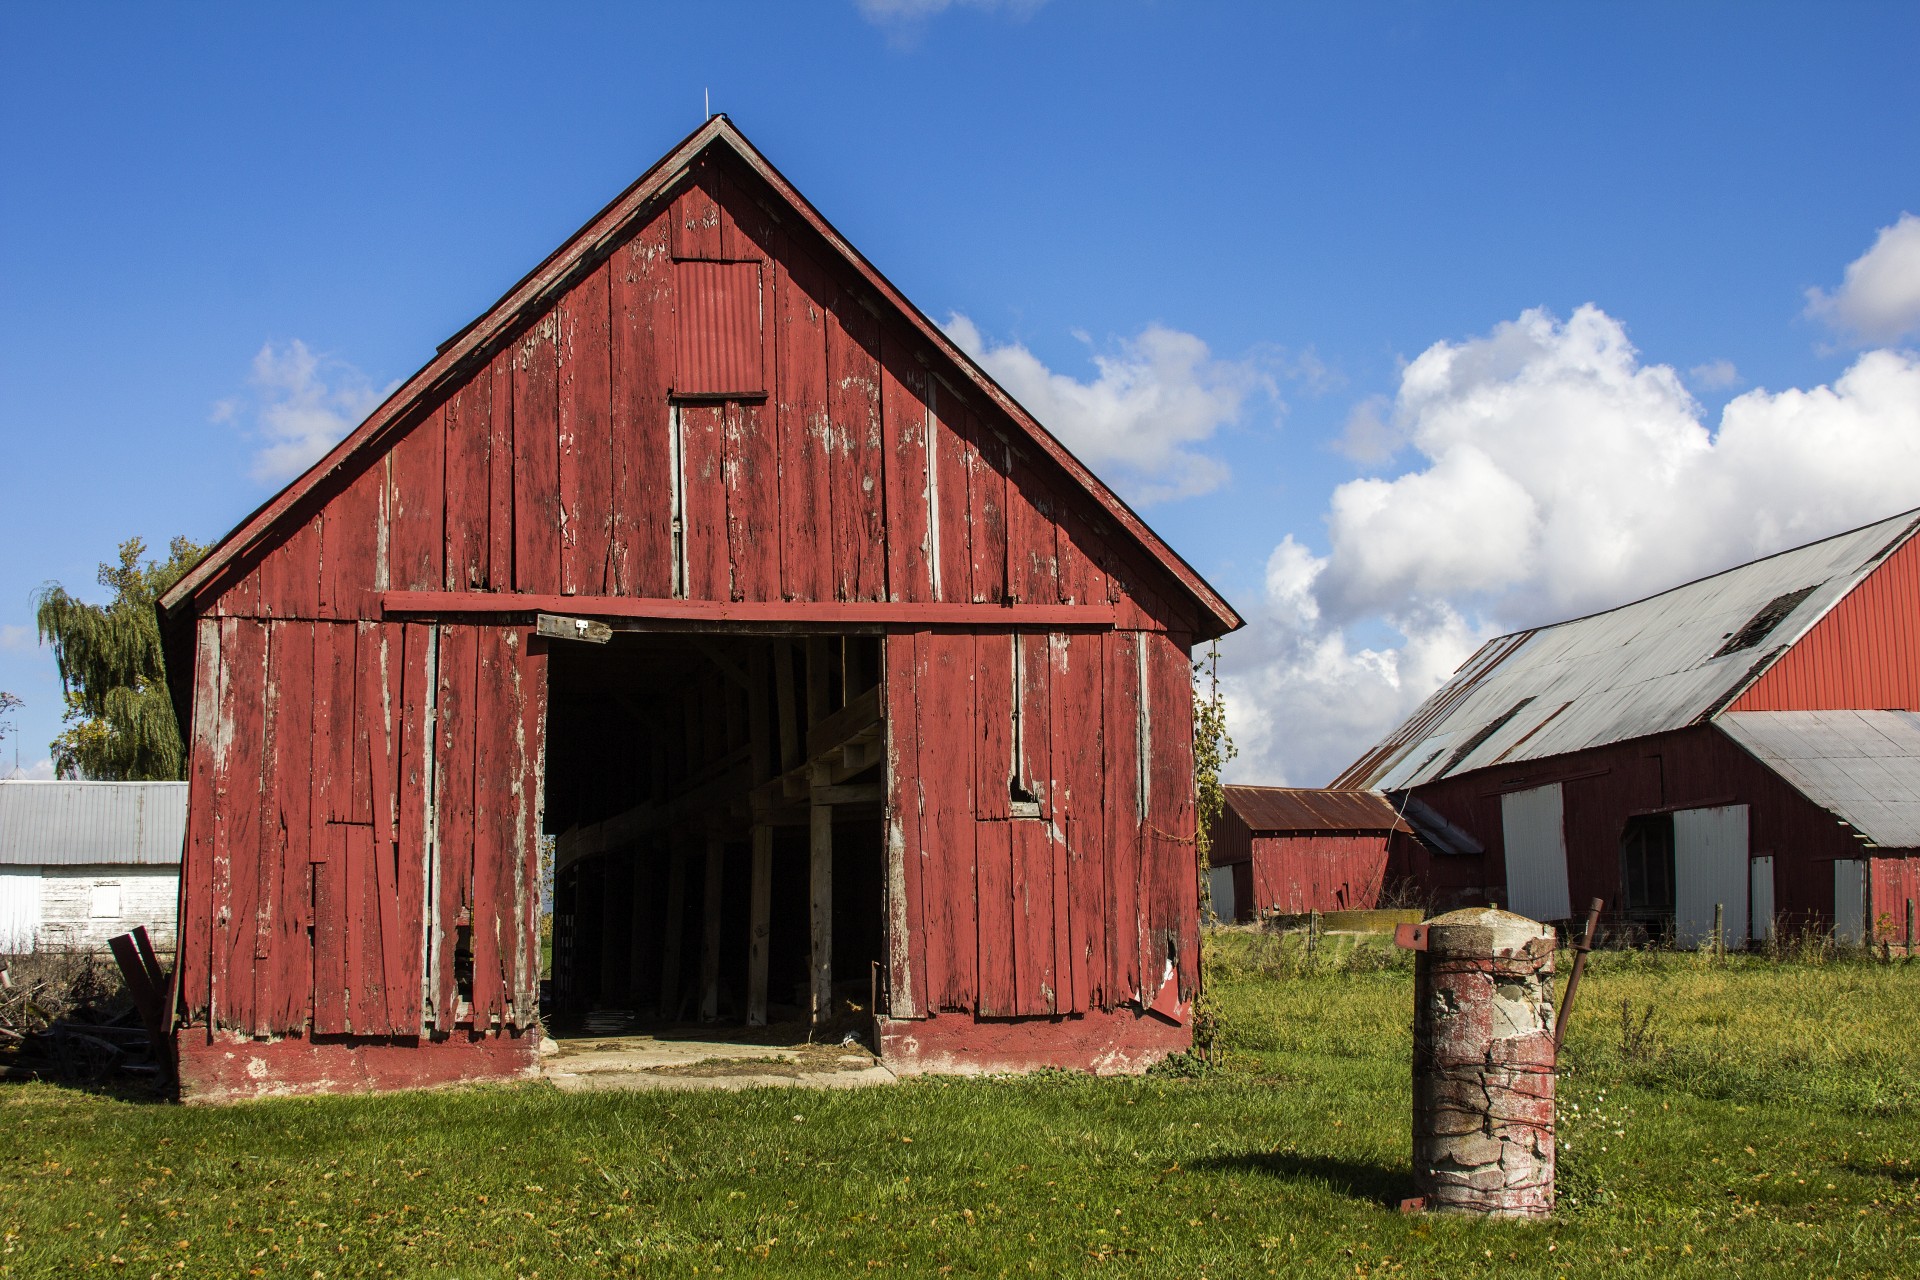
(702, 790)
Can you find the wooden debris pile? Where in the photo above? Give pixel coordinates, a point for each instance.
(68, 1018)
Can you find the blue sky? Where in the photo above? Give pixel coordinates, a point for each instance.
(1213, 240)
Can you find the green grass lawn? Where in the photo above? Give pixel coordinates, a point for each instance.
(1764, 1121)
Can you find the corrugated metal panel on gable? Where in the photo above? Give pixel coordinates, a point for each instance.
(92, 823)
(1644, 668)
(1312, 809)
(1861, 766)
(718, 321)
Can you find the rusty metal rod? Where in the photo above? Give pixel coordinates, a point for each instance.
(1580, 950)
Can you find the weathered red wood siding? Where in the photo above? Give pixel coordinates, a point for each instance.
(1865, 654)
(326, 896)
(1697, 767)
(1318, 872)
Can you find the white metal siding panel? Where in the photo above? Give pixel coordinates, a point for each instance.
(1850, 900)
(1710, 869)
(19, 909)
(148, 896)
(1536, 841)
(1220, 891)
(1760, 909)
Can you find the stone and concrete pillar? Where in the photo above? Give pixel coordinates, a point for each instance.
(1483, 1064)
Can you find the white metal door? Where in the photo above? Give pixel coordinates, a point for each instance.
(1760, 901)
(19, 909)
(1536, 841)
(1850, 900)
(1710, 869)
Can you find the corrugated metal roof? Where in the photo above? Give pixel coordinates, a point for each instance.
(81, 823)
(1657, 664)
(1861, 766)
(1310, 809)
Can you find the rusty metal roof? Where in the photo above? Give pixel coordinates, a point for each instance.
(68, 824)
(1863, 767)
(1312, 809)
(1662, 663)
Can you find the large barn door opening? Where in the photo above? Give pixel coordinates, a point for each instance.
(1536, 845)
(716, 806)
(1711, 876)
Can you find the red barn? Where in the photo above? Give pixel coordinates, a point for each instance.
(840, 684)
(1291, 850)
(1743, 745)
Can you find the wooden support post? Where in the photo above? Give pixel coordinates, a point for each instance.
(710, 942)
(819, 654)
(670, 955)
(759, 925)
(759, 716)
(789, 709)
(821, 895)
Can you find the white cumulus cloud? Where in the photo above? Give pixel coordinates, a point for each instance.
(1141, 421)
(1556, 474)
(298, 404)
(1879, 298)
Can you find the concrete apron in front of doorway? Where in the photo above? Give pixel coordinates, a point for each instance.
(644, 1062)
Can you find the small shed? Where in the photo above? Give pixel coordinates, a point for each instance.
(83, 861)
(1290, 850)
(844, 692)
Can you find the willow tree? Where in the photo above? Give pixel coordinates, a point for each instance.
(119, 718)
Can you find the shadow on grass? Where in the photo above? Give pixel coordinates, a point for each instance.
(1379, 1184)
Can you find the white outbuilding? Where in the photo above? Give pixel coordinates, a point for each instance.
(83, 861)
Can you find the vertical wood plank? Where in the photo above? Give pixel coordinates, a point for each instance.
(696, 218)
(820, 905)
(529, 728)
(332, 779)
(416, 830)
(288, 948)
(351, 537)
(704, 501)
(993, 756)
(238, 762)
(537, 513)
(642, 373)
(1033, 951)
(1079, 695)
(500, 473)
(944, 686)
(585, 433)
(856, 466)
(759, 923)
(290, 574)
(905, 853)
(716, 862)
(416, 507)
(1032, 541)
(269, 855)
(904, 415)
(380, 656)
(494, 776)
(989, 461)
(750, 466)
(804, 427)
(195, 930)
(454, 809)
(467, 424)
(955, 457)
(1170, 817)
(1125, 913)
(671, 933)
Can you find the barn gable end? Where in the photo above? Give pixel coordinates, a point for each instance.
(708, 422)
